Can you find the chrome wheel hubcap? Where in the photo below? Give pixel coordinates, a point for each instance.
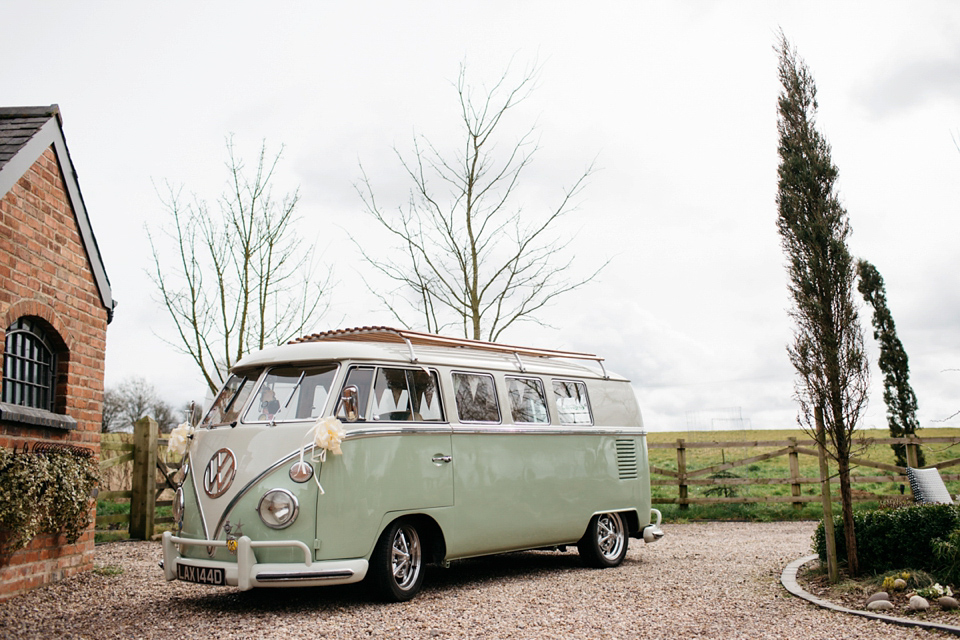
(610, 535)
(405, 557)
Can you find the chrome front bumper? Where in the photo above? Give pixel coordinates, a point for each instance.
(247, 573)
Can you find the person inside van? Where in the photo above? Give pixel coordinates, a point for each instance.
(269, 405)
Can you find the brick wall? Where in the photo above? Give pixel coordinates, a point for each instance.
(45, 273)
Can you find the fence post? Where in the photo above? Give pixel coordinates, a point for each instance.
(682, 473)
(912, 447)
(143, 502)
(795, 473)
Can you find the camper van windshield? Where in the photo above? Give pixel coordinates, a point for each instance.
(292, 393)
(226, 408)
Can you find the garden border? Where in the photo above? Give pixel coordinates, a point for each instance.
(789, 581)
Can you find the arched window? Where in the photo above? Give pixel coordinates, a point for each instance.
(29, 366)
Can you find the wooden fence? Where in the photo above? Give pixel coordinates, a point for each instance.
(684, 477)
(147, 455)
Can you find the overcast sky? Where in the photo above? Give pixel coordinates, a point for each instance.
(676, 100)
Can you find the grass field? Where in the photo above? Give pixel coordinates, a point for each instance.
(778, 467)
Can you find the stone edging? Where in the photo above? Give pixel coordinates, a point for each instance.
(789, 581)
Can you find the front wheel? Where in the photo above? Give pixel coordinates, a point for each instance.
(605, 542)
(396, 566)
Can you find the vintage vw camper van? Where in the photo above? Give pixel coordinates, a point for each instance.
(364, 454)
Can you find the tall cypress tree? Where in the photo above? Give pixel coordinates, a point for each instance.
(897, 392)
(827, 353)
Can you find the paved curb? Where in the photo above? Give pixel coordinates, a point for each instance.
(789, 581)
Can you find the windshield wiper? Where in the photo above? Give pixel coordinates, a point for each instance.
(292, 392)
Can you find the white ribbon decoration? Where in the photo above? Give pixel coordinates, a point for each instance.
(179, 439)
(327, 434)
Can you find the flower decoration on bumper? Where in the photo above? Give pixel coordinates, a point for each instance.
(327, 434)
(180, 438)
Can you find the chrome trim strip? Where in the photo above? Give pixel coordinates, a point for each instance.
(196, 493)
(397, 431)
(550, 431)
(304, 575)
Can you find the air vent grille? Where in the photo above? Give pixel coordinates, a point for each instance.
(627, 458)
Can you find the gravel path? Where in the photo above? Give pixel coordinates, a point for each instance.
(711, 580)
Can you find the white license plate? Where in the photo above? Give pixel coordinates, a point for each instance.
(202, 575)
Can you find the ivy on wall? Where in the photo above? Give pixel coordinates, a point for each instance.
(44, 492)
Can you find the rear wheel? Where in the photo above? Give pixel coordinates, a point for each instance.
(605, 542)
(396, 567)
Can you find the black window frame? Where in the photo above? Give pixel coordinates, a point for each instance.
(30, 362)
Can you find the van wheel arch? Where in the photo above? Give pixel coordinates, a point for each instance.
(431, 537)
(604, 543)
(404, 547)
(632, 520)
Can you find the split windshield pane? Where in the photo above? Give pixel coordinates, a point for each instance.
(292, 393)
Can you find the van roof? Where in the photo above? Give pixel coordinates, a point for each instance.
(387, 343)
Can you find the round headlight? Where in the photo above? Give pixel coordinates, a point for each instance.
(278, 508)
(178, 506)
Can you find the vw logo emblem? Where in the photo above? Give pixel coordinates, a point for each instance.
(218, 476)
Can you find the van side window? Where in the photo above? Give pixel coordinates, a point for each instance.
(401, 395)
(426, 396)
(528, 402)
(476, 397)
(362, 378)
(292, 393)
(572, 402)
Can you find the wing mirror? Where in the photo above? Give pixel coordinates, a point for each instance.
(349, 403)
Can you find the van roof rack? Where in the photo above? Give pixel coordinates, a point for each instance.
(410, 338)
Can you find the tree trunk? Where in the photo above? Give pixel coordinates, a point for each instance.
(849, 533)
(828, 529)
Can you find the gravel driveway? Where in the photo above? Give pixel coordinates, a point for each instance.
(713, 580)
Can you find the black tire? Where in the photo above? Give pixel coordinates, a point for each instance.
(604, 545)
(396, 566)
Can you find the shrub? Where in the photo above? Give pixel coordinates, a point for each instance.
(894, 538)
(44, 493)
(947, 552)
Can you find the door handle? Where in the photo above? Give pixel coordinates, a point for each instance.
(439, 459)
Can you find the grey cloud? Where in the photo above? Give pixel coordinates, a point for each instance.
(907, 85)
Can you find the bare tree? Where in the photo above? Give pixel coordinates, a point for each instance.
(131, 400)
(239, 277)
(470, 256)
(827, 353)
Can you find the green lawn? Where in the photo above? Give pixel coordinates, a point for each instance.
(778, 467)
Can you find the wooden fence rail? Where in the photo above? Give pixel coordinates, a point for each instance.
(145, 456)
(684, 477)
(144, 453)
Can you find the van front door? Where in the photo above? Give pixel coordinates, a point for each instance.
(397, 455)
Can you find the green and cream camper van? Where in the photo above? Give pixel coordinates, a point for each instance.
(364, 454)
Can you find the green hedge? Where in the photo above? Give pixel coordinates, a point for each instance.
(889, 539)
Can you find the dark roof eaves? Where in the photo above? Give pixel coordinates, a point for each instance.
(52, 134)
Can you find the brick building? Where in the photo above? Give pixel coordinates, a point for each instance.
(55, 304)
